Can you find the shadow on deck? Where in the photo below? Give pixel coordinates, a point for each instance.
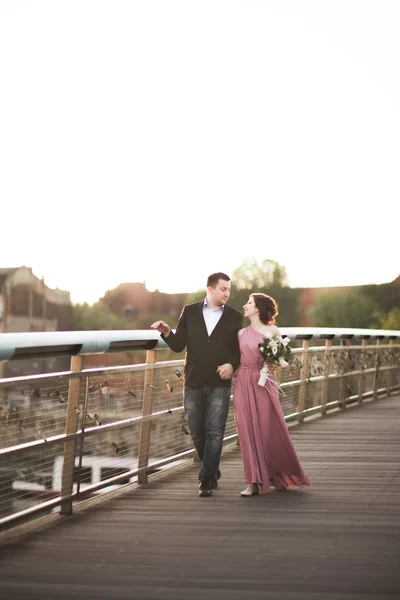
(340, 538)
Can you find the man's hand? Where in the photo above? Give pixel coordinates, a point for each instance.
(162, 327)
(225, 371)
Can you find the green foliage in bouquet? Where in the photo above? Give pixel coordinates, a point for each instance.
(276, 350)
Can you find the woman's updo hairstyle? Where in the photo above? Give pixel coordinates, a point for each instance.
(267, 306)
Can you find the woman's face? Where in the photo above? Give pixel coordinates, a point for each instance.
(250, 309)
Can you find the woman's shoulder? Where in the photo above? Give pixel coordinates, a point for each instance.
(274, 329)
(271, 330)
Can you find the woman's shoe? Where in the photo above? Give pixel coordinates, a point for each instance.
(252, 490)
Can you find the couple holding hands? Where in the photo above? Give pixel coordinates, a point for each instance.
(217, 347)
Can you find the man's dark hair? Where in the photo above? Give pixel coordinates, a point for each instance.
(215, 277)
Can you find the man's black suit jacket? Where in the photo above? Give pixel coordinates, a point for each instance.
(205, 353)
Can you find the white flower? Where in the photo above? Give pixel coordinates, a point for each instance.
(285, 341)
(283, 362)
(261, 348)
(274, 350)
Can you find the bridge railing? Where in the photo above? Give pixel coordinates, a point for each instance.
(66, 436)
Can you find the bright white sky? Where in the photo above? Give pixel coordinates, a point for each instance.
(165, 140)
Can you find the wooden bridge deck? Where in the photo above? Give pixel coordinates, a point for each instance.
(339, 539)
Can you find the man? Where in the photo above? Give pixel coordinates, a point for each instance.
(209, 332)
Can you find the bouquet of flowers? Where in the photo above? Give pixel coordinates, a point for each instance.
(276, 352)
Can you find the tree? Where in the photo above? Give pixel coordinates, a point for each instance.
(270, 278)
(267, 277)
(385, 295)
(391, 320)
(351, 309)
(252, 275)
(97, 317)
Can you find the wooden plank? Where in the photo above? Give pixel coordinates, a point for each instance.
(338, 539)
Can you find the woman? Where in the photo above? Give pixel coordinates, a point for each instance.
(269, 457)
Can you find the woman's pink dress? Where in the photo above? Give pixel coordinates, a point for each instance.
(268, 454)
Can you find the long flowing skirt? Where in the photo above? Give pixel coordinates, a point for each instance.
(268, 454)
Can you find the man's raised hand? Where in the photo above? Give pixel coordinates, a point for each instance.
(162, 327)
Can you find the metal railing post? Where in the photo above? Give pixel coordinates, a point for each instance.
(376, 373)
(396, 374)
(361, 375)
(342, 384)
(145, 426)
(325, 385)
(82, 440)
(303, 380)
(391, 372)
(71, 426)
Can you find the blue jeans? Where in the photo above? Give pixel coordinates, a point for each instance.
(207, 409)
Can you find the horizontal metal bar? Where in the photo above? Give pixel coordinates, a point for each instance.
(353, 399)
(6, 382)
(143, 419)
(62, 437)
(91, 372)
(333, 349)
(134, 472)
(136, 367)
(37, 444)
(71, 343)
(26, 379)
(32, 510)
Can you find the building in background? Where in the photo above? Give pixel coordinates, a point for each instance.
(135, 300)
(26, 305)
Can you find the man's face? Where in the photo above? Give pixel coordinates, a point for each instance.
(220, 294)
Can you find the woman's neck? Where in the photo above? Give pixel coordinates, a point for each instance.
(256, 323)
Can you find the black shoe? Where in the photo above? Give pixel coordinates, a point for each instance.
(218, 474)
(205, 488)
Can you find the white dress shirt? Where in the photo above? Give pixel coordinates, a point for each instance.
(211, 316)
